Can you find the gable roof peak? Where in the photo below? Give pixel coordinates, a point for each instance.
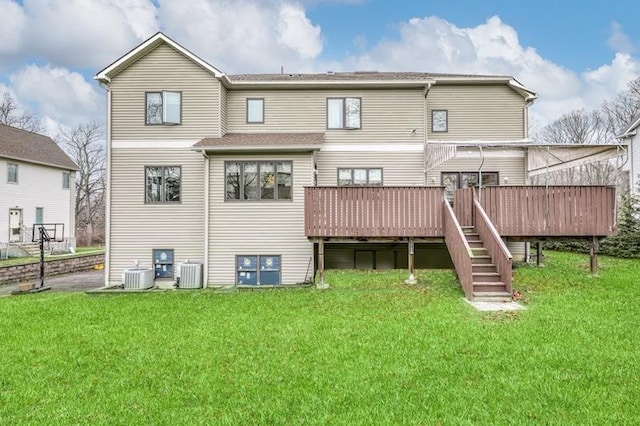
(141, 50)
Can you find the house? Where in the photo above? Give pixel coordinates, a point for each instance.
(37, 187)
(630, 137)
(266, 178)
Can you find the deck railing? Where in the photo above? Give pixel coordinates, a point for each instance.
(459, 250)
(496, 248)
(550, 211)
(384, 211)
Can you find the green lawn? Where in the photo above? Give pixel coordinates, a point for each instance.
(368, 351)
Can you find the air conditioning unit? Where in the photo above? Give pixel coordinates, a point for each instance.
(189, 275)
(137, 279)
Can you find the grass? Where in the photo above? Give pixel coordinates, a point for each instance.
(80, 251)
(368, 351)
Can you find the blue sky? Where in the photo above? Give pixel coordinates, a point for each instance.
(574, 54)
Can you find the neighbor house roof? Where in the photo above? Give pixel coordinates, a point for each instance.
(32, 147)
(632, 128)
(262, 142)
(311, 80)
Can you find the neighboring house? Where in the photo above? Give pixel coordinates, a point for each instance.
(37, 185)
(265, 178)
(632, 166)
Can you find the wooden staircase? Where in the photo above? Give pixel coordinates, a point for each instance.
(487, 286)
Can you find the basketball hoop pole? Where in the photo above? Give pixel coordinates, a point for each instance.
(42, 231)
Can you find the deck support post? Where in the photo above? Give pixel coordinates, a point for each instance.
(538, 253)
(412, 276)
(321, 285)
(593, 255)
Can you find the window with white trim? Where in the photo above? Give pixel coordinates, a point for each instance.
(360, 176)
(66, 180)
(343, 113)
(163, 107)
(258, 270)
(12, 173)
(439, 121)
(255, 110)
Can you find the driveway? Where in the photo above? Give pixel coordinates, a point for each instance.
(77, 281)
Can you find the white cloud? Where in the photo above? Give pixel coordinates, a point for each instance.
(79, 33)
(12, 27)
(60, 95)
(245, 35)
(618, 41)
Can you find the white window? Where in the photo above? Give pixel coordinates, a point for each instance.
(255, 110)
(65, 180)
(12, 173)
(343, 113)
(360, 177)
(439, 120)
(163, 107)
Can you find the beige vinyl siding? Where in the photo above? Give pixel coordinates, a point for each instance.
(398, 168)
(388, 116)
(137, 228)
(259, 227)
(223, 110)
(477, 112)
(165, 69)
(509, 163)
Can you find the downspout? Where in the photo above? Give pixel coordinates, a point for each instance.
(425, 131)
(480, 174)
(107, 221)
(207, 165)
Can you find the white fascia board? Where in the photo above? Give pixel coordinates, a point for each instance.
(153, 143)
(330, 83)
(103, 75)
(372, 147)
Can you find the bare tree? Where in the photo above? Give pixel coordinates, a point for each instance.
(12, 115)
(84, 143)
(620, 110)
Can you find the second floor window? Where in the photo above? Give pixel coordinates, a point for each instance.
(65, 180)
(163, 108)
(360, 177)
(258, 180)
(12, 173)
(255, 110)
(163, 184)
(343, 113)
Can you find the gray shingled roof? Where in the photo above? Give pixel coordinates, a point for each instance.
(31, 147)
(262, 141)
(352, 76)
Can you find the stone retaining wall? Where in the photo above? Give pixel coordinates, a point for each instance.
(31, 271)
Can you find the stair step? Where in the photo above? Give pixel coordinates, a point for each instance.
(472, 234)
(490, 286)
(492, 296)
(483, 267)
(475, 244)
(485, 277)
(480, 259)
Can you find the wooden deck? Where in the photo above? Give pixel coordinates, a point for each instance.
(417, 212)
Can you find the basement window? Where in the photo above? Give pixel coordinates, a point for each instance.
(258, 270)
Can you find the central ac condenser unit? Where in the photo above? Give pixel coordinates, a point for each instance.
(190, 275)
(137, 279)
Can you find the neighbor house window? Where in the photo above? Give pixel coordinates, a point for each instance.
(258, 270)
(360, 177)
(65, 180)
(439, 121)
(163, 263)
(39, 215)
(163, 107)
(255, 110)
(162, 184)
(343, 113)
(12, 173)
(258, 180)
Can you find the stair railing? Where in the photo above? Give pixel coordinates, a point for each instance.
(459, 248)
(496, 248)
